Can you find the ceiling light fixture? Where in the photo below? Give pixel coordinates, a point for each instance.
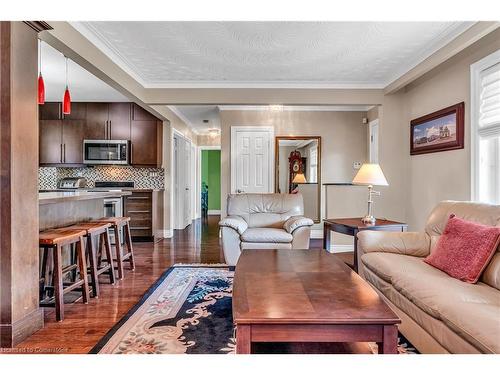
(41, 83)
(67, 96)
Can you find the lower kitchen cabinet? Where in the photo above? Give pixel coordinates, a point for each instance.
(143, 207)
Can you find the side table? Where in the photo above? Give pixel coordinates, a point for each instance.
(351, 227)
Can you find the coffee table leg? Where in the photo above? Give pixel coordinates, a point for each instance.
(243, 339)
(389, 345)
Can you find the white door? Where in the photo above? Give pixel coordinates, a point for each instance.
(182, 182)
(252, 159)
(373, 126)
(188, 171)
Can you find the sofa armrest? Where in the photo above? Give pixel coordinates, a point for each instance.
(234, 222)
(296, 222)
(405, 243)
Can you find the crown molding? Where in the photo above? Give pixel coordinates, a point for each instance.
(264, 85)
(38, 26)
(297, 108)
(183, 118)
(470, 35)
(95, 37)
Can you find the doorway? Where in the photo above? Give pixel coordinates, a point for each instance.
(373, 141)
(210, 180)
(182, 181)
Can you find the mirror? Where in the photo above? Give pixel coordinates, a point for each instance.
(298, 170)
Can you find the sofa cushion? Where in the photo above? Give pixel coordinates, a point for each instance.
(464, 249)
(270, 235)
(470, 310)
(444, 336)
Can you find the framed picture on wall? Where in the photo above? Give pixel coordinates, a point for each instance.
(442, 130)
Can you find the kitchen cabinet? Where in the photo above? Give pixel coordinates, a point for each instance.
(61, 136)
(146, 137)
(108, 121)
(72, 141)
(50, 142)
(119, 121)
(139, 207)
(97, 121)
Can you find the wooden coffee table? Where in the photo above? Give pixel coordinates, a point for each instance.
(307, 296)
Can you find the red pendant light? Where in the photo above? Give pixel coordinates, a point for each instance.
(67, 97)
(41, 84)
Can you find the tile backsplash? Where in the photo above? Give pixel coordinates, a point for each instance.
(144, 178)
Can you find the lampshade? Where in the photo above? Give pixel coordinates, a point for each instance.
(299, 179)
(370, 174)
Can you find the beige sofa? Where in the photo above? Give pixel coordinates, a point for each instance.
(439, 314)
(264, 221)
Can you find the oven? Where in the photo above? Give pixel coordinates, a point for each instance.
(96, 152)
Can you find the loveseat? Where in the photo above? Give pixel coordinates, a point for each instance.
(439, 314)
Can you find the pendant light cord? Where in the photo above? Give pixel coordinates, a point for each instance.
(39, 56)
(66, 72)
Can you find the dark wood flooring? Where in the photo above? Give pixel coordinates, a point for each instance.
(84, 325)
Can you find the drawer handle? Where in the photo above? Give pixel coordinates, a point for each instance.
(138, 198)
(138, 212)
(139, 228)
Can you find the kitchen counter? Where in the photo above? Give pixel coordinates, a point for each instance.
(68, 196)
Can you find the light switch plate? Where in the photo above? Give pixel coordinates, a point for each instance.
(356, 165)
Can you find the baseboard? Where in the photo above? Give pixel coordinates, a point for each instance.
(15, 333)
(164, 233)
(213, 212)
(317, 233)
(341, 249)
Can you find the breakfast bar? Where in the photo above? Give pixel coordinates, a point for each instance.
(58, 209)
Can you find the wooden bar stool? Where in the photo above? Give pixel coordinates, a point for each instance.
(97, 231)
(118, 223)
(52, 242)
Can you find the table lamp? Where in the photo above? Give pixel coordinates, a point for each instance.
(370, 175)
(299, 179)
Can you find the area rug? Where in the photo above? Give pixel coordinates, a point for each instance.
(188, 310)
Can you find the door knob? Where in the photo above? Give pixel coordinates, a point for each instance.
(239, 191)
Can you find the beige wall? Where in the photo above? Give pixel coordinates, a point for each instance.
(208, 140)
(343, 140)
(444, 175)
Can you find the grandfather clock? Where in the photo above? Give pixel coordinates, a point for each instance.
(296, 165)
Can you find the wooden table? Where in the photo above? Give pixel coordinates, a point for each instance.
(306, 296)
(351, 227)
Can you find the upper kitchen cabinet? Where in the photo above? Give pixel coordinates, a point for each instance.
(119, 121)
(62, 136)
(146, 137)
(108, 121)
(96, 126)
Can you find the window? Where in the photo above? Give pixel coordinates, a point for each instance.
(485, 129)
(313, 164)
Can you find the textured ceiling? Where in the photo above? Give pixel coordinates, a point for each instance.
(194, 115)
(83, 85)
(241, 53)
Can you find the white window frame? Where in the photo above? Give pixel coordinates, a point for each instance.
(313, 155)
(475, 74)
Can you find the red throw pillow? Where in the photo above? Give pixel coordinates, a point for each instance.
(464, 249)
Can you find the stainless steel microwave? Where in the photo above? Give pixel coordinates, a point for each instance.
(106, 152)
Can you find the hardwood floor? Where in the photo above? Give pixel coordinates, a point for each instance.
(84, 325)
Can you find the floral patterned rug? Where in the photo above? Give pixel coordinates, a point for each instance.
(188, 310)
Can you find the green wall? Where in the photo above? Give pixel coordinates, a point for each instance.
(210, 174)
